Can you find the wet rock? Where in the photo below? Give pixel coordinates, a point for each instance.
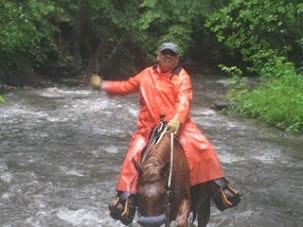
(219, 105)
(4, 87)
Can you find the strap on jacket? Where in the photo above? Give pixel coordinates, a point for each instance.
(175, 71)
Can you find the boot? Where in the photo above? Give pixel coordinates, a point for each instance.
(123, 208)
(224, 195)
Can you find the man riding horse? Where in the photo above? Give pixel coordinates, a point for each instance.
(165, 89)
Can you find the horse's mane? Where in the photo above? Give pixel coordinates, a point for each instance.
(156, 158)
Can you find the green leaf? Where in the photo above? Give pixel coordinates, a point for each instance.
(2, 99)
(300, 8)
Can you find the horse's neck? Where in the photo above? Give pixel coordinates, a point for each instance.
(160, 152)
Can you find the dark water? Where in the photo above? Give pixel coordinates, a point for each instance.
(61, 151)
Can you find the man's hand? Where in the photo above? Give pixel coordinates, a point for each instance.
(173, 126)
(95, 82)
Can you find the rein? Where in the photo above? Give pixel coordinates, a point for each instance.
(171, 160)
(169, 190)
(170, 175)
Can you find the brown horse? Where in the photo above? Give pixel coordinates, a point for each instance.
(163, 199)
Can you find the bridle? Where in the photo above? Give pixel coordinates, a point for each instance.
(162, 129)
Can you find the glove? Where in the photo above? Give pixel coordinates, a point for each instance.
(173, 126)
(95, 81)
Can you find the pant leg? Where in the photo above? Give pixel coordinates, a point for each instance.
(129, 175)
(203, 161)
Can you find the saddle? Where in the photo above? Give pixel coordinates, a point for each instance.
(156, 135)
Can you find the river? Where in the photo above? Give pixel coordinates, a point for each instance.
(61, 150)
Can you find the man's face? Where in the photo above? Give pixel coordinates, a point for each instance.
(167, 60)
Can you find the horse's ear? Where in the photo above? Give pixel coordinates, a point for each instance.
(138, 166)
(164, 169)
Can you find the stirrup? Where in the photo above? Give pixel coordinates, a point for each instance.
(123, 210)
(224, 199)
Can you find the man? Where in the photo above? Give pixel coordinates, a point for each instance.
(165, 89)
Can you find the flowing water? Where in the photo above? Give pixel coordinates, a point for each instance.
(61, 150)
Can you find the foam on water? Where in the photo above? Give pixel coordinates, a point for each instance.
(7, 177)
(222, 81)
(90, 218)
(111, 149)
(72, 172)
(54, 92)
(17, 111)
(6, 195)
(35, 220)
(231, 158)
(51, 92)
(133, 111)
(203, 112)
(269, 156)
(81, 217)
(86, 217)
(246, 218)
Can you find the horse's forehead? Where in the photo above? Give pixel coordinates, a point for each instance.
(152, 189)
(152, 174)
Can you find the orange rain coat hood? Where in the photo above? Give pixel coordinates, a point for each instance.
(166, 94)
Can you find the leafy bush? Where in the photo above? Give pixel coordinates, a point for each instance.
(268, 35)
(278, 99)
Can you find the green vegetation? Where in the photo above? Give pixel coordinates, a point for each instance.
(100, 36)
(260, 38)
(268, 35)
(26, 33)
(2, 99)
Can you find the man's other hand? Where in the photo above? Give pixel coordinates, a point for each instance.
(95, 82)
(173, 126)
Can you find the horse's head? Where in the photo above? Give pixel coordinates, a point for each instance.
(152, 191)
(152, 188)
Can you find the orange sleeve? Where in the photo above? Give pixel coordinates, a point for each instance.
(121, 88)
(184, 97)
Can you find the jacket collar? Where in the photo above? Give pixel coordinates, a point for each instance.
(175, 70)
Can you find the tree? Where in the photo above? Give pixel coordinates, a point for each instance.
(25, 33)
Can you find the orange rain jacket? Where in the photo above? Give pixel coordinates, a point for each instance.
(169, 94)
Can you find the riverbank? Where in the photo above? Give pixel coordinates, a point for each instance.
(31, 80)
